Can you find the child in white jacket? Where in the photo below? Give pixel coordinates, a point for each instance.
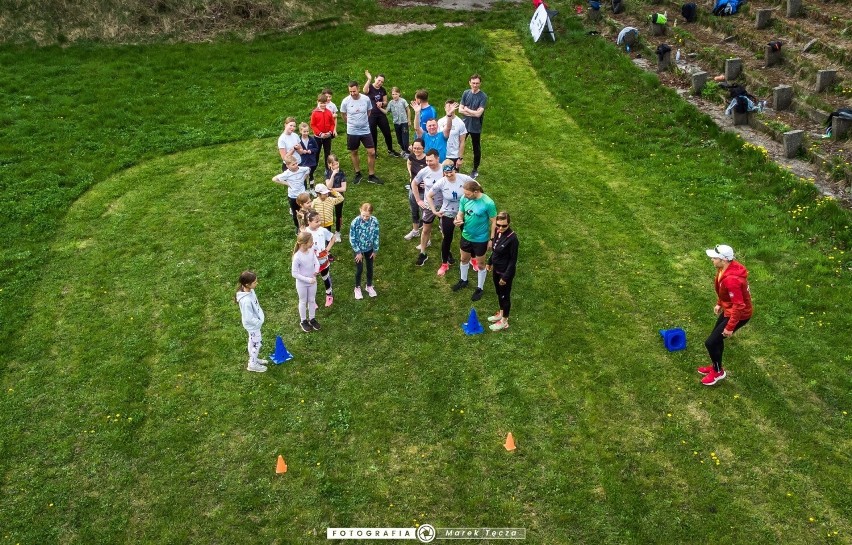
(252, 316)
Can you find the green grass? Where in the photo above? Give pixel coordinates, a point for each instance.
(126, 412)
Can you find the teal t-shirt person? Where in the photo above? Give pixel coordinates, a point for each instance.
(477, 215)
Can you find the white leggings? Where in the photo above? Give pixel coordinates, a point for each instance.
(254, 342)
(307, 299)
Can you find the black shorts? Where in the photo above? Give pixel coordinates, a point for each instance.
(476, 249)
(353, 141)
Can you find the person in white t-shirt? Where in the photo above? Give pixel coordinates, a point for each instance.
(451, 189)
(294, 177)
(356, 111)
(458, 135)
(287, 143)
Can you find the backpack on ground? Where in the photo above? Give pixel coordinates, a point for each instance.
(617, 6)
(842, 113)
(662, 49)
(658, 18)
(689, 11)
(726, 7)
(594, 5)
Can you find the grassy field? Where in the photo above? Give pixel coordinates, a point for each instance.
(136, 181)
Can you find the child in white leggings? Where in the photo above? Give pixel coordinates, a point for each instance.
(304, 270)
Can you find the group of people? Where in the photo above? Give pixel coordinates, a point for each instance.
(437, 190)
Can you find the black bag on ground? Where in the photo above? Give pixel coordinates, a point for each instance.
(689, 11)
(617, 6)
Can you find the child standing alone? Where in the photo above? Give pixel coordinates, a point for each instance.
(304, 269)
(364, 238)
(252, 317)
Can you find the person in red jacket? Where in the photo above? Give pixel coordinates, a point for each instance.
(733, 307)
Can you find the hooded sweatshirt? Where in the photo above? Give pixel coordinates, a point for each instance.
(733, 294)
(250, 309)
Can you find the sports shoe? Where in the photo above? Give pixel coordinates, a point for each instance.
(306, 326)
(474, 174)
(412, 234)
(329, 300)
(405, 155)
(314, 324)
(459, 285)
(495, 318)
(394, 153)
(499, 326)
(421, 259)
(262, 362)
(451, 260)
(371, 291)
(408, 187)
(373, 179)
(256, 367)
(475, 265)
(358, 294)
(312, 193)
(357, 179)
(713, 377)
(337, 237)
(477, 294)
(705, 370)
(442, 270)
(428, 243)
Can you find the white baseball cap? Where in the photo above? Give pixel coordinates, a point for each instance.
(321, 188)
(721, 251)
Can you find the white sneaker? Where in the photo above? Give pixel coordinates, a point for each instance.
(358, 294)
(371, 291)
(256, 367)
(337, 236)
(428, 243)
(412, 234)
(262, 362)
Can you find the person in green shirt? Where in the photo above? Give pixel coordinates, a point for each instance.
(476, 217)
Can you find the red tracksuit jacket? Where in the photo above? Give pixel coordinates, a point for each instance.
(733, 294)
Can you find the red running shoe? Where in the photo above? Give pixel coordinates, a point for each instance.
(713, 377)
(705, 370)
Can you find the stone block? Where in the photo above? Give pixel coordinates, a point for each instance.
(810, 45)
(733, 69)
(657, 29)
(771, 57)
(840, 128)
(793, 143)
(763, 18)
(794, 8)
(664, 62)
(594, 15)
(782, 97)
(825, 79)
(699, 79)
(742, 119)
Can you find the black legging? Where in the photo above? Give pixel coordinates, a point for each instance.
(448, 228)
(294, 207)
(338, 215)
(359, 268)
(715, 343)
(325, 146)
(503, 293)
(381, 121)
(477, 149)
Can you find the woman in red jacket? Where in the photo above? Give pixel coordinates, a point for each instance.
(733, 307)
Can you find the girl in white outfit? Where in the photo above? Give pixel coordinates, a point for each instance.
(304, 270)
(252, 316)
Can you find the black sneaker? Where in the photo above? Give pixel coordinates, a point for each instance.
(459, 285)
(421, 259)
(393, 153)
(357, 179)
(474, 174)
(477, 294)
(451, 260)
(315, 324)
(373, 179)
(306, 326)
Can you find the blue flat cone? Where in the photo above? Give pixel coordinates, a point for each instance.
(281, 354)
(472, 326)
(674, 339)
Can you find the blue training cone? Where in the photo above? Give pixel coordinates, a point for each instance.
(674, 339)
(281, 354)
(472, 326)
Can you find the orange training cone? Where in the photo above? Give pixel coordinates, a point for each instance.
(510, 442)
(281, 466)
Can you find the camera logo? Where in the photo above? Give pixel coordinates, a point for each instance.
(426, 533)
